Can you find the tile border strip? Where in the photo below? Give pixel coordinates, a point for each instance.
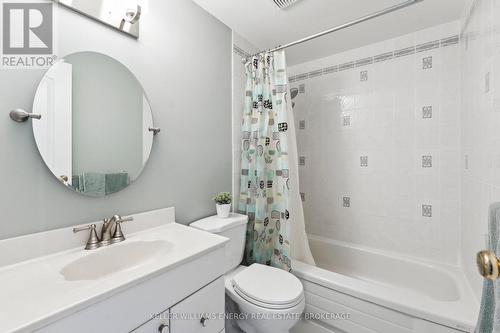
(445, 42)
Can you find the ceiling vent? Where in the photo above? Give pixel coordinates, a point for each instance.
(282, 4)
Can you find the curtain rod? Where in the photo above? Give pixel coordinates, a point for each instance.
(343, 26)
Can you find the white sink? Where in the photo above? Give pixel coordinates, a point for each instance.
(51, 277)
(113, 259)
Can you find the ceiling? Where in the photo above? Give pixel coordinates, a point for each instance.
(266, 26)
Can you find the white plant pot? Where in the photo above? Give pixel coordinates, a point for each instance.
(223, 210)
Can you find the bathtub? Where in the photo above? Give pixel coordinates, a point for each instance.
(356, 289)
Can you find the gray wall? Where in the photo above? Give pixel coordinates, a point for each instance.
(183, 60)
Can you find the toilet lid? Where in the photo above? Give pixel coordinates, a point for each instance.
(268, 287)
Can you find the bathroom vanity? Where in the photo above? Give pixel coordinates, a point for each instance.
(165, 277)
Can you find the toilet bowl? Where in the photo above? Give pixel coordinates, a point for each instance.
(263, 311)
(269, 300)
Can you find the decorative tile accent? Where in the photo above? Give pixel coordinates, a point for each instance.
(346, 121)
(383, 57)
(346, 202)
(427, 63)
(445, 42)
(363, 76)
(427, 210)
(364, 161)
(302, 124)
(427, 112)
(302, 196)
(426, 161)
(316, 73)
(302, 160)
(364, 62)
(346, 66)
(487, 83)
(301, 77)
(453, 40)
(428, 46)
(404, 52)
(302, 88)
(331, 69)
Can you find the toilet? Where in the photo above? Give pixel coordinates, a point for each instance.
(270, 300)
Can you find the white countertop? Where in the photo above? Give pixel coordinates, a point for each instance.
(34, 293)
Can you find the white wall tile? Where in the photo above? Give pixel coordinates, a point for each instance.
(385, 124)
(479, 132)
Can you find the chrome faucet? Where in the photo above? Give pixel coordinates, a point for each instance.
(111, 232)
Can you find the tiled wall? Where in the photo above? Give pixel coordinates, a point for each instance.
(379, 144)
(241, 49)
(480, 165)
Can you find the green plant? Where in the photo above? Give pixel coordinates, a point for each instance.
(223, 198)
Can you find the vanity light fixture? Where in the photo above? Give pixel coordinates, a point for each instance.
(131, 16)
(120, 15)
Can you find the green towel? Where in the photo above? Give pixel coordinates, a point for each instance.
(116, 182)
(92, 184)
(489, 314)
(75, 182)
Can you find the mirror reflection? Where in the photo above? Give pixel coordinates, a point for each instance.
(94, 134)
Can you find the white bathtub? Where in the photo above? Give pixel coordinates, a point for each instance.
(382, 292)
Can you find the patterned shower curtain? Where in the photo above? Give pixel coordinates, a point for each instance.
(265, 174)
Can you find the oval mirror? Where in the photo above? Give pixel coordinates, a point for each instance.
(95, 131)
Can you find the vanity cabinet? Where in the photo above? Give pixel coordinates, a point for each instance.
(204, 309)
(157, 325)
(191, 290)
(166, 277)
(202, 312)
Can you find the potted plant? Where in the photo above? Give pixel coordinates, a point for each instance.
(223, 204)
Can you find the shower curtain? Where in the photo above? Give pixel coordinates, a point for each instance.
(269, 192)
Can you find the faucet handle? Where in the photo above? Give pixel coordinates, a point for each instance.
(125, 219)
(118, 236)
(93, 241)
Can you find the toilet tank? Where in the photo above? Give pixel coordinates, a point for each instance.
(233, 227)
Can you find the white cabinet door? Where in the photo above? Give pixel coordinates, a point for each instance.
(156, 325)
(202, 312)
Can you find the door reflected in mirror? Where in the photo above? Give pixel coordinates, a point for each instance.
(94, 134)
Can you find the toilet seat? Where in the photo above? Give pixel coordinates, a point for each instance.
(268, 287)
